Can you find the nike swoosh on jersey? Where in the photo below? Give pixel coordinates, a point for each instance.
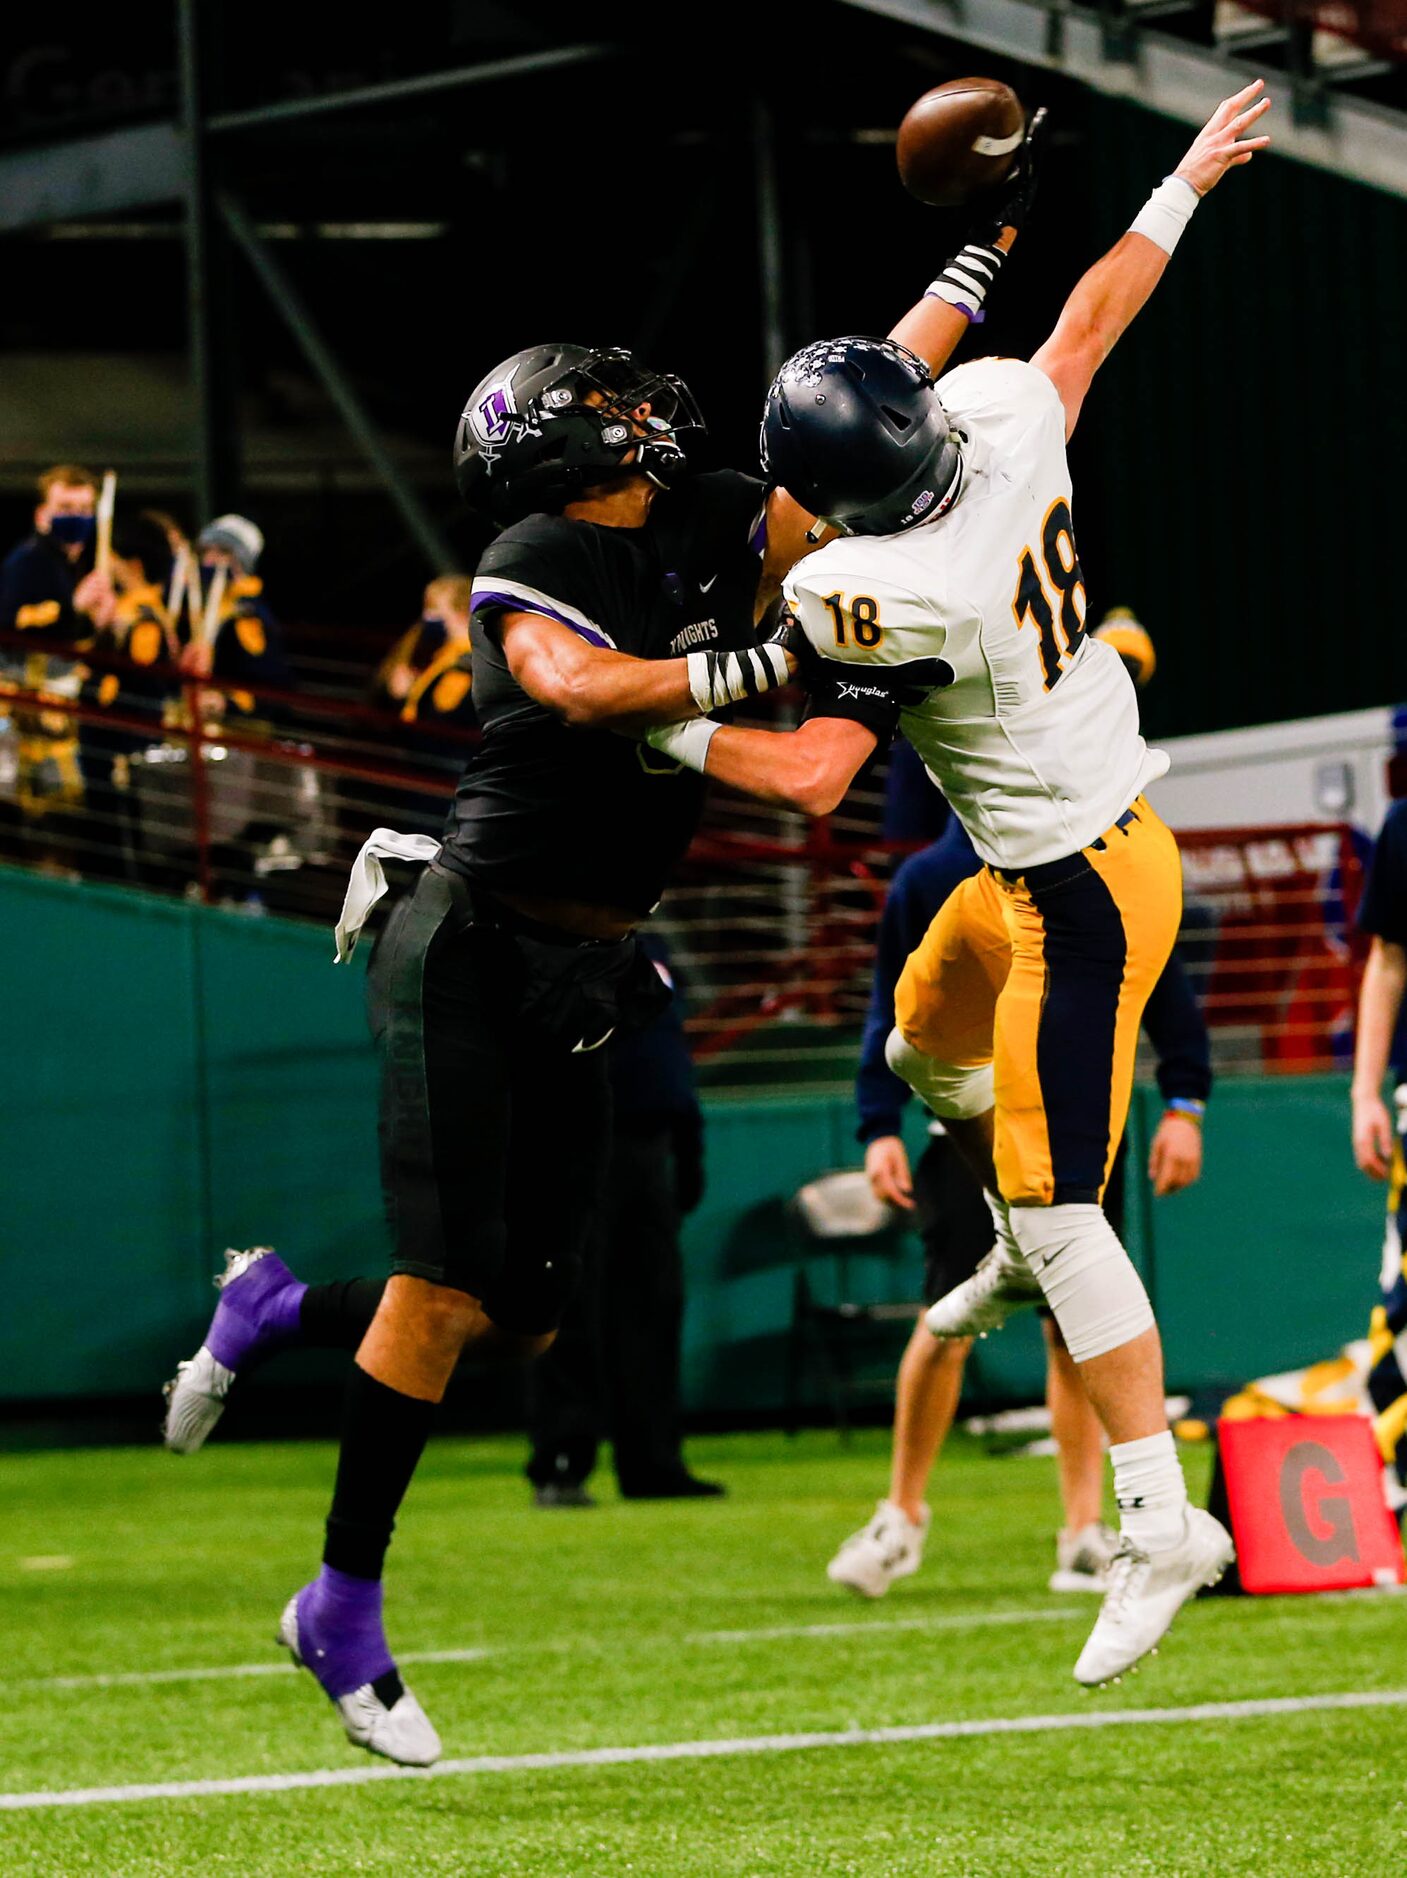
(704, 585)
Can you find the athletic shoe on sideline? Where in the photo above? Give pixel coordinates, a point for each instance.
(890, 1547)
(562, 1493)
(361, 1681)
(1083, 1558)
(1146, 1592)
(996, 1290)
(257, 1312)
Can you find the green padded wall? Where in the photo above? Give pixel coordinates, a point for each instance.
(181, 1079)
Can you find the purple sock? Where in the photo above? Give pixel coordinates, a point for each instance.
(340, 1636)
(258, 1311)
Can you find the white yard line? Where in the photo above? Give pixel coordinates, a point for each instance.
(711, 1750)
(946, 1620)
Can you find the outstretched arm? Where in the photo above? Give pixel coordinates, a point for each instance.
(1115, 289)
(932, 328)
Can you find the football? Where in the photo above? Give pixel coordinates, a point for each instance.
(959, 139)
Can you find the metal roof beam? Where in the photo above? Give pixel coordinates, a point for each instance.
(395, 90)
(1366, 142)
(123, 169)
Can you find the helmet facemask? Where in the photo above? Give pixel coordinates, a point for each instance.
(621, 386)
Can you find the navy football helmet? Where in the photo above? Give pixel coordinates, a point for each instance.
(556, 419)
(854, 430)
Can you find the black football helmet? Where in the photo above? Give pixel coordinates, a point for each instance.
(855, 431)
(532, 436)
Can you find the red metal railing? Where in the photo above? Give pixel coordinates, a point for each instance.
(772, 920)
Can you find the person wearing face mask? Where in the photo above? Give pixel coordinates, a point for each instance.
(241, 643)
(444, 620)
(133, 624)
(47, 587)
(46, 581)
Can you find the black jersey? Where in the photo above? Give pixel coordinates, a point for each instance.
(590, 815)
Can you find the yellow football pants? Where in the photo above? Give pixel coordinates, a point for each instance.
(1044, 974)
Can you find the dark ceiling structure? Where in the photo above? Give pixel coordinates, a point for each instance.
(258, 264)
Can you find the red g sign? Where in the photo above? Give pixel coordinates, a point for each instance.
(1307, 1508)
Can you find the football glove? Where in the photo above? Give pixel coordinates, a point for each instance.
(964, 283)
(1018, 192)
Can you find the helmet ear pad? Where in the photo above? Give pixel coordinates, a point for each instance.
(854, 430)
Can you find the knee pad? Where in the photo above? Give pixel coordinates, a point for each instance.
(1087, 1277)
(951, 1093)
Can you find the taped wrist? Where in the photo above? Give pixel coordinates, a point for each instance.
(1087, 1277)
(686, 743)
(1166, 213)
(719, 678)
(950, 1092)
(965, 280)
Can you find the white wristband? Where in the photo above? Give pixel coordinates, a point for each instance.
(1166, 213)
(686, 743)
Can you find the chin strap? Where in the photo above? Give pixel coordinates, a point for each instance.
(660, 455)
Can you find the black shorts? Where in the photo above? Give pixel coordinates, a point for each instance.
(494, 1135)
(955, 1224)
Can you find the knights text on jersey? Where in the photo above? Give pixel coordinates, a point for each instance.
(1034, 739)
(586, 814)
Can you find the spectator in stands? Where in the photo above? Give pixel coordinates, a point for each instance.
(180, 588)
(1132, 641)
(240, 644)
(46, 581)
(46, 587)
(444, 618)
(614, 1369)
(1378, 1145)
(431, 672)
(440, 697)
(132, 625)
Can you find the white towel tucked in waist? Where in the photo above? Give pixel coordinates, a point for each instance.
(367, 881)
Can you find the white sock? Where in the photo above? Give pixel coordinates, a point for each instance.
(1150, 1490)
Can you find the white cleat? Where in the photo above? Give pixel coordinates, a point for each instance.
(382, 1716)
(195, 1401)
(999, 1288)
(195, 1395)
(1083, 1558)
(1146, 1592)
(890, 1547)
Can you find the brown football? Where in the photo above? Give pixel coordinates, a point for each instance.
(959, 139)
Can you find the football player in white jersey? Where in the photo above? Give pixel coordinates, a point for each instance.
(952, 605)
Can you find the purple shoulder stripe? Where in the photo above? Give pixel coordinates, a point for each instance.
(757, 540)
(517, 603)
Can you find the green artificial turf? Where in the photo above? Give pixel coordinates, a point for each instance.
(597, 1629)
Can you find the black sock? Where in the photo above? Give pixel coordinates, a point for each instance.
(383, 1436)
(336, 1316)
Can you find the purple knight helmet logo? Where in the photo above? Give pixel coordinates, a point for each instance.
(494, 417)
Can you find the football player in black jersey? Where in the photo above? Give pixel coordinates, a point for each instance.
(623, 593)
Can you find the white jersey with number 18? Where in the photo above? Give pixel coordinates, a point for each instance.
(1034, 737)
